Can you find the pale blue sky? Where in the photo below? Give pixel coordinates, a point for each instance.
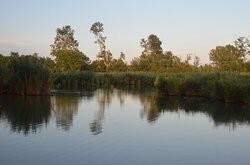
(184, 26)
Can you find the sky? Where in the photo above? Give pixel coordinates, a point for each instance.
(184, 26)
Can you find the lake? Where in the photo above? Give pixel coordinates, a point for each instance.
(122, 127)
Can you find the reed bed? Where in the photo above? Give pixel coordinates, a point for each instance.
(227, 87)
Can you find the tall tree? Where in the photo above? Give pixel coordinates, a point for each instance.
(227, 58)
(64, 40)
(66, 52)
(105, 55)
(150, 58)
(152, 45)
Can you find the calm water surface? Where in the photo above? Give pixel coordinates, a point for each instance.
(122, 127)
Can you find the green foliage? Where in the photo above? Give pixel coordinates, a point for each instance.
(65, 50)
(89, 80)
(227, 58)
(98, 66)
(232, 57)
(153, 58)
(64, 40)
(70, 60)
(228, 87)
(119, 65)
(24, 75)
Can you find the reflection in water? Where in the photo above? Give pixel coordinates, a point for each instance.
(28, 114)
(25, 114)
(220, 113)
(153, 105)
(104, 99)
(64, 108)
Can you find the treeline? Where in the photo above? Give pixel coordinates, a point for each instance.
(67, 57)
(70, 68)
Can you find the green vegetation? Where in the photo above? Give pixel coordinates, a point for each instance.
(90, 80)
(227, 87)
(24, 75)
(68, 58)
(71, 69)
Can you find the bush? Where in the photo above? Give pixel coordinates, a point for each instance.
(25, 75)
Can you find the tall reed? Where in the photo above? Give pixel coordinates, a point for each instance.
(228, 87)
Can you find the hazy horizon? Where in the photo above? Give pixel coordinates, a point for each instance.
(184, 27)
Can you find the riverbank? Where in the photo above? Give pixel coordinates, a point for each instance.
(226, 87)
(223, 86)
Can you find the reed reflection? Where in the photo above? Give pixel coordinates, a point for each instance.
(25, 114)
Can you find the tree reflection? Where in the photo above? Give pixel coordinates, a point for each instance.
(155, 104)
(65, 107)
(220, 113)
(28, 114)
(25, 114)
(104, 99)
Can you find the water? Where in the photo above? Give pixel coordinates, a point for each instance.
(122, 127)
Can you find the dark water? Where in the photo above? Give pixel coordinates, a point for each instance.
(122, 127)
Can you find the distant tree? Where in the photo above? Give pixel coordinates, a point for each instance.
(151, 45)
(104, 55)
(14, 54)
(243, 45)
(64, 40)
(122, 56)
(196, 61)
(153, 58)
(119, 65)
(228, 58)
(188, 59)
(150, 58)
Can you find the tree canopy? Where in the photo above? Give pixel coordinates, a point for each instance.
(64, 40)
(65, 50)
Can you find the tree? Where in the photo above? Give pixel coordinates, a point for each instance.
(228, 58)
(66, 52)
(150, 58)
(105, 55)
(243, 45)
(64, 40)
(98, 66)
(153, 58)
(152, 46)
(71, 60)
(119, 65)
(196, 61)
